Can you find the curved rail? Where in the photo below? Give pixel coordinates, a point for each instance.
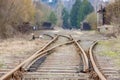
(49, 36)
(65, 37)
(26, 66)
(44, 53)
(43, 48)
(100, 75)
(84, 56)
(19, 67)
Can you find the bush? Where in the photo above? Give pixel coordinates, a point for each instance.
(15, 12)
(113, 12)
(92, 20)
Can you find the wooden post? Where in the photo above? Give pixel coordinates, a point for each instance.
(33, 36)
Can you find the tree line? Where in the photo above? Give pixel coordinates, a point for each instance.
(80, 10)
(14, 12)
(20, 15)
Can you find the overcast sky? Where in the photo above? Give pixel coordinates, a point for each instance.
(68, 0)
(63, 0)
(105, 0)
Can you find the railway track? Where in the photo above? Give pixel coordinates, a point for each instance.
(63, 63)
(101, 68)
(63, 58)
(41, 52)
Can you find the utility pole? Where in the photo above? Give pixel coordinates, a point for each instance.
(103, 14)
(97, 4)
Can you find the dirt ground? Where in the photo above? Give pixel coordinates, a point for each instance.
(14, 51)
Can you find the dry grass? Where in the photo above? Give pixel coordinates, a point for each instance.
(13, 51)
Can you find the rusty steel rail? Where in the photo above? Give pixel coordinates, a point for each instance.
(49, 36)
(44, 53)
(43, 48)
(96, 69)
(69, 38)
(9, 74)
(28, 60)
(83, 54)
(32, 58)
(28, 65)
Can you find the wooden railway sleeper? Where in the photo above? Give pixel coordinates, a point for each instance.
(94, 64)
(84, 56)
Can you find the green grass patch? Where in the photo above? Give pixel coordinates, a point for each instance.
(106, 43)
(111, 54)
(110, 48)
(1, 65)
